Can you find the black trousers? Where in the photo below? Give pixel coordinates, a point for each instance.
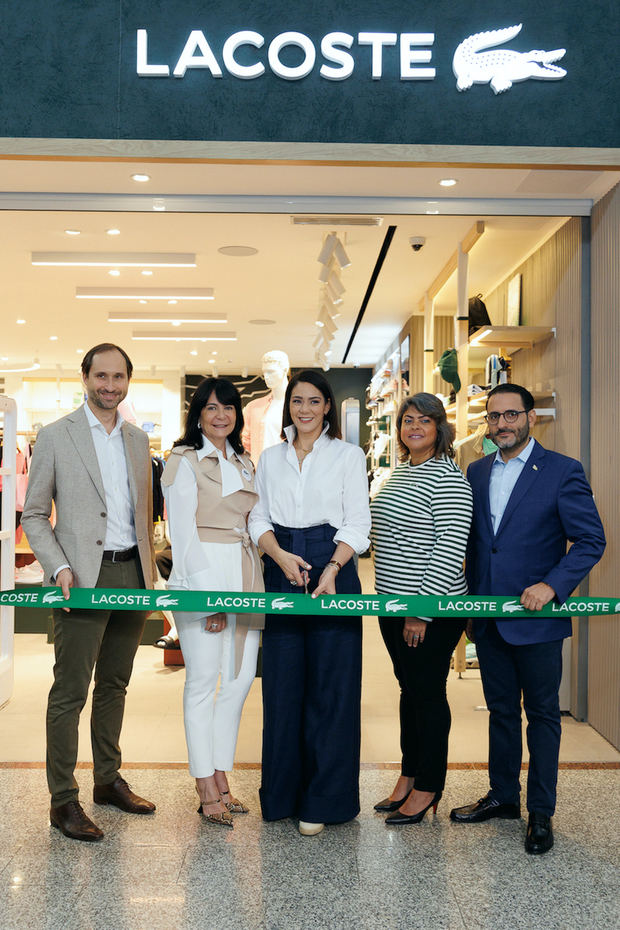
(425, 718)
(312, 674)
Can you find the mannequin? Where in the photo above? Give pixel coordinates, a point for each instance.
(263, 416)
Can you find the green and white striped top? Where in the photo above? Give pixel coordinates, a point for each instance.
(420, 523)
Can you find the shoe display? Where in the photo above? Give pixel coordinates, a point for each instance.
(310, 829)
(387, 805)
(119, 794)
(71, 820)
(539, 838)
(218, 817)
(398, 819)
(234, 805)
(484, 809)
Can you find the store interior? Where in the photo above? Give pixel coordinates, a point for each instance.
(202, 269)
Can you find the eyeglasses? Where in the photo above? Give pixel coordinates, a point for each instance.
(509, 416)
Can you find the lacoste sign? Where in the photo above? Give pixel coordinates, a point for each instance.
(477, 60)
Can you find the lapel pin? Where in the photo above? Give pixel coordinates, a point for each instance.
(535, 467)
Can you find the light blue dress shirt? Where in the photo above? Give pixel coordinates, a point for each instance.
(504, 476)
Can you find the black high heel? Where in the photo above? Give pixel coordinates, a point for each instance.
(387, 806)
(398, 819)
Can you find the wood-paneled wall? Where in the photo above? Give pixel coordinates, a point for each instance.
(604, 634)
(551, 296)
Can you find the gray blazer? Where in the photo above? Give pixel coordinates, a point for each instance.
(64, 469)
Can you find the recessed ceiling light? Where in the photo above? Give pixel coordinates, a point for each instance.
(211, 361)
(214, 352)
(431, 212)
(146, 273)
(261, 322)
(193, 352)
(173, 301)
(447, 182)
(20, 322)
(114, 272)
(238, 251)
(79, 351)
(53, 338)
(176, 322)
(145, 293)
(165, 336)
(113, 232)
(320, 220)
(115, 259)
(159, 205)
(72, 232)
(141, 178)
(143, 301)
(4, 358)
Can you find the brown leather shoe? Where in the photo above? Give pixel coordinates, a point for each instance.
(120, 795)
(71, 820)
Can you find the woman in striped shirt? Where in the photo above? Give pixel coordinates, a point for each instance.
(420, 524)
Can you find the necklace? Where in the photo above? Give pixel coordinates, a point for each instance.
(301, 453)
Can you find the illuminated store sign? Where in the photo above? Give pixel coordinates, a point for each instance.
(338, 64)
(476, 59)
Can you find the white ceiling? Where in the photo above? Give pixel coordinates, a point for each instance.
(279, 283)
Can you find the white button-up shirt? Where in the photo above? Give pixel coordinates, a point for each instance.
(504, 476)
(331, 487)
(110, 451)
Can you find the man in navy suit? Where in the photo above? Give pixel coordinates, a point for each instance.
(528, 504)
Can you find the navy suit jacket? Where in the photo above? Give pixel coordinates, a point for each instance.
(551, 504)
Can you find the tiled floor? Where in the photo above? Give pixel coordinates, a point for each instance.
(173, 871)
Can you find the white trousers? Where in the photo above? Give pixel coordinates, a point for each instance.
(212, 716)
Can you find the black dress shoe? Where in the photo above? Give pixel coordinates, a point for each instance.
(120, 795)
(485, 809)
(398, 819)
(71, 820)
(387, 805)
(539, 838)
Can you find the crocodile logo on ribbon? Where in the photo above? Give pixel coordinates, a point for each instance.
(52, 598)
(501, 68)
(280, 603)
(394, 606)
(512, 607)
(164, 600)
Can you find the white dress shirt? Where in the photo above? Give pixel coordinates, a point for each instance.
(504, 476)
(331, 487)
(110, 451)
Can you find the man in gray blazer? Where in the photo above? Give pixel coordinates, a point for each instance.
(96, 469)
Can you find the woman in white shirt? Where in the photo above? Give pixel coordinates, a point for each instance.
(311, 517)
(209, 490)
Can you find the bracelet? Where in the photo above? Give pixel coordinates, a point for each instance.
(334, 562)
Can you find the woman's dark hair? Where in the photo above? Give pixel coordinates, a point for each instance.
(317, 380)
(226, 393)
(524, 394)
(429, 406)
(87, 361)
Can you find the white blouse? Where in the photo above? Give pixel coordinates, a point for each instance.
(331, 487)
(191, 569)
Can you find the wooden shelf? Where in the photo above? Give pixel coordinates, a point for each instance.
(511, 337)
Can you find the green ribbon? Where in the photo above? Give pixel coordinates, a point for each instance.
(450, 606)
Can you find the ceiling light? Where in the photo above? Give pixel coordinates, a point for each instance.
(328, 352)
(72, 232)
(309, 220)
(144, 293)
(79, 351)
(113, 232)
(431, 212)
(115, 259)
(339, 251)
(448, 182)
(143, 301)
(20, 322)
(193, 352)
(214, 352)
(154, 316)
(173, 301)
(166, 336)
(9, 371)
(260, 322)
(4, 358)
(211, 361)
(141, 178)
(114, 272)
(319, 323)
(238, 251)
(146, 272)
(336, 284)
(159, 205)
(327, 248)
(175, 322)
(53, 338)
(333, 295)
(326, 270)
